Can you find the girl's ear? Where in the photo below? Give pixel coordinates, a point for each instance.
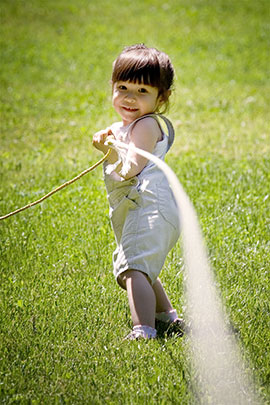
(163, 98)
(167, 95)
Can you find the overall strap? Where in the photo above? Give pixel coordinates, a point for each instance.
(168, 123)
(170, 129)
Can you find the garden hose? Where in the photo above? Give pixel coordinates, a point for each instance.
(58, 188)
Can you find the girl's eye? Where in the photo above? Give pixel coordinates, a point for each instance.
(122, 87)
(142, 90)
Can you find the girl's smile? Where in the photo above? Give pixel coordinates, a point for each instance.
(133, 100)
(129, 109)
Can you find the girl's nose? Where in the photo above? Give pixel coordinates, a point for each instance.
(130, 96)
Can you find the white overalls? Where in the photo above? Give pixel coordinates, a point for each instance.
(143, 211)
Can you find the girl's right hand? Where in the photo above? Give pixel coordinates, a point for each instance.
(99, 139)
(99, 143)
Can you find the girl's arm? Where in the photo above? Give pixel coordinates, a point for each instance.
(144, 135)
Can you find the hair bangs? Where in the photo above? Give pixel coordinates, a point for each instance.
(137, 70)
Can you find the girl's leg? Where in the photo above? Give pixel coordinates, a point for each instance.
(163, 303)
(141, 297)
(164, 309)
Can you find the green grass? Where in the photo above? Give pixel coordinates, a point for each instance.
(62, 315)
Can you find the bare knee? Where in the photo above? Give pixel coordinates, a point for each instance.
(130, 274)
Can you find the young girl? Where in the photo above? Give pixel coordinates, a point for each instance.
(143, 212)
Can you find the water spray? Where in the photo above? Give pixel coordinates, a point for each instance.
(222, 379)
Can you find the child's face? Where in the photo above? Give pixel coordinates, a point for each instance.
(133, 100)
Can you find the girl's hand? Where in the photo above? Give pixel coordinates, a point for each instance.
(98, 142)
(99, 139)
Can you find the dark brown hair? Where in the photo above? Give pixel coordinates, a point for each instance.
(140, 64)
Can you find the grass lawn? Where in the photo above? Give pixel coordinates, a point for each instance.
(62, 315)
